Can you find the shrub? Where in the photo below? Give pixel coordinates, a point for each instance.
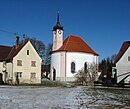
(87, 76)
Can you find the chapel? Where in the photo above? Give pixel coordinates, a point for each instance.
(69, 56)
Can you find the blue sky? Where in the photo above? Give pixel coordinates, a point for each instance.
(102, 24)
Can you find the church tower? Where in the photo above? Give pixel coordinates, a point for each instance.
(57, 35)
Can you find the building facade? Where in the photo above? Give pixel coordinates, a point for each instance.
(22, 64)
(122, 63)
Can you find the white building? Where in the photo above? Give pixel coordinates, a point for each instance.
(20, 64)
(122, 63)
(69, 56)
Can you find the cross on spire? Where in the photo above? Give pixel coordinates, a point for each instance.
(58, 17)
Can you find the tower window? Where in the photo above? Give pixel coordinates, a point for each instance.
(27, 52)
(72, 67)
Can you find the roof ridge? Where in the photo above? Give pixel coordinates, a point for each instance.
(5, 46)
(74, 36)
(9, 53)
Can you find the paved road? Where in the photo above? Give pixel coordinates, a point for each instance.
(55, 98)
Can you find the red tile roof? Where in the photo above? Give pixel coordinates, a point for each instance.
(8, 52)
(75, 44)
(124, 47)
(15, 51)
(4, 52)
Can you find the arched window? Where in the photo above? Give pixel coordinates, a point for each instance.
(54, 74)
(85, 66)
(72, 67)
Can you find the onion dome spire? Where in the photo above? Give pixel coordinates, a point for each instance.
(58, 25)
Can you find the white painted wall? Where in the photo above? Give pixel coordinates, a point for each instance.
(123, 66)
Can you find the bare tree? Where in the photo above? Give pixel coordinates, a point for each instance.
(39, 46)
(88, 76)
(105, 66)
(92, 70)
(47, 57)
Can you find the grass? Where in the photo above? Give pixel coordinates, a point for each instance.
(56, 84)
(120, 95)
(46, 83)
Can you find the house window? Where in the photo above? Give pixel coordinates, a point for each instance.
(33, 75)
(33, 63)
(72, 67)
(128, 58)
(19, 74)
(19, 62)
(27, 52)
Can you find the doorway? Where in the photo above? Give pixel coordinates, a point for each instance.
(1, 79)
(54, 74)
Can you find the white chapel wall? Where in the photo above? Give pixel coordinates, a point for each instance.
(79, 58)
(55, 64)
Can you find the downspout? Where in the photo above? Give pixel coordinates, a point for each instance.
(61, 66)
(96, 65)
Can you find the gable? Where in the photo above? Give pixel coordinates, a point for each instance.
(122, 50)
(29, 50)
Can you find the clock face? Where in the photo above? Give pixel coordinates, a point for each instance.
(59, 31)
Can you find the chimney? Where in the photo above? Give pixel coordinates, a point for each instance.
(17, 42)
